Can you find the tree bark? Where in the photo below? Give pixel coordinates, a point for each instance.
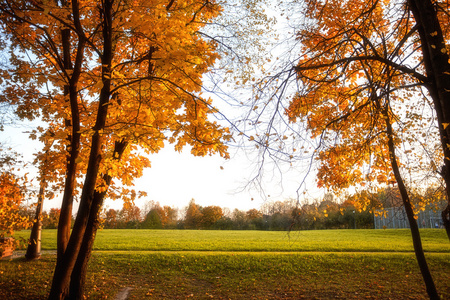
(446, 219)
(64, 266)
(67, 200)
(78, 277)
(70, 90)
(436, 60)
(34, 244)
(417, 243)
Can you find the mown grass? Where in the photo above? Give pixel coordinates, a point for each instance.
(200, 266)
(392, 240)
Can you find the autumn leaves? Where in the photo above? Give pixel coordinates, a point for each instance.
(113, 81)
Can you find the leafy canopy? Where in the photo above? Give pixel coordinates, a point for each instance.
(158, 61)
(359, 68)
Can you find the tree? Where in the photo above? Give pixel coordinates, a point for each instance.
(432, 27)
(368, 83)
(12, 194)
(170, 218)
(253, 214)
(159, 217)
(130, 215)
(360, 97)
(193, 216)
(152, 219)
(11, 197)
(34, 243)
(256, 219)
(239, 219)
(210, 215)
(129, 89)
(111, 218)
(402, 36)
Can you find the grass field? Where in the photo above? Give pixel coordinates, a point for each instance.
(165, 264)
(279, 241)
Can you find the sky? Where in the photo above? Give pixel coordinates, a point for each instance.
(176, 178)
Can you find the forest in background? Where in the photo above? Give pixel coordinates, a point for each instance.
(326, 213)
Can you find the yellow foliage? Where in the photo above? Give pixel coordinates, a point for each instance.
(11, 197)
(154, 79)
(348, 93)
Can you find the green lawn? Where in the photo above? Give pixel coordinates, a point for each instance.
(392, 240)
(160, 264)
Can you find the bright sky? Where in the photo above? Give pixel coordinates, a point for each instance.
(175, 178)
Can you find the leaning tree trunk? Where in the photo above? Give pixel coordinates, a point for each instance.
(417, 243)
(34, 244)
(436, 61)
(78, 278)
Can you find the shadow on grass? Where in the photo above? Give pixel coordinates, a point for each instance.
(259, 275)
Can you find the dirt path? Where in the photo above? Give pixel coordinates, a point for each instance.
(123, 294)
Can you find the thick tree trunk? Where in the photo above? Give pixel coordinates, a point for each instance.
(70, 90)
(34, 244)
(436, 60)
(78, 277)
(64, 266)
(417, 242)
(446, 220)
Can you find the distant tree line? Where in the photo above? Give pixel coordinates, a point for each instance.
(279, 215)
(325, 213)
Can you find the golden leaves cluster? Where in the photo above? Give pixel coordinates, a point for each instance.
(11, 197)
(158, 62)
(349, 88)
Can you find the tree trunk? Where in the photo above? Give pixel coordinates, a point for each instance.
(446, 220)
(70, 90)
(64, 266)
(418, 249)
(436, 60)
(78, 278)
(34, 244)
(73, 148)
